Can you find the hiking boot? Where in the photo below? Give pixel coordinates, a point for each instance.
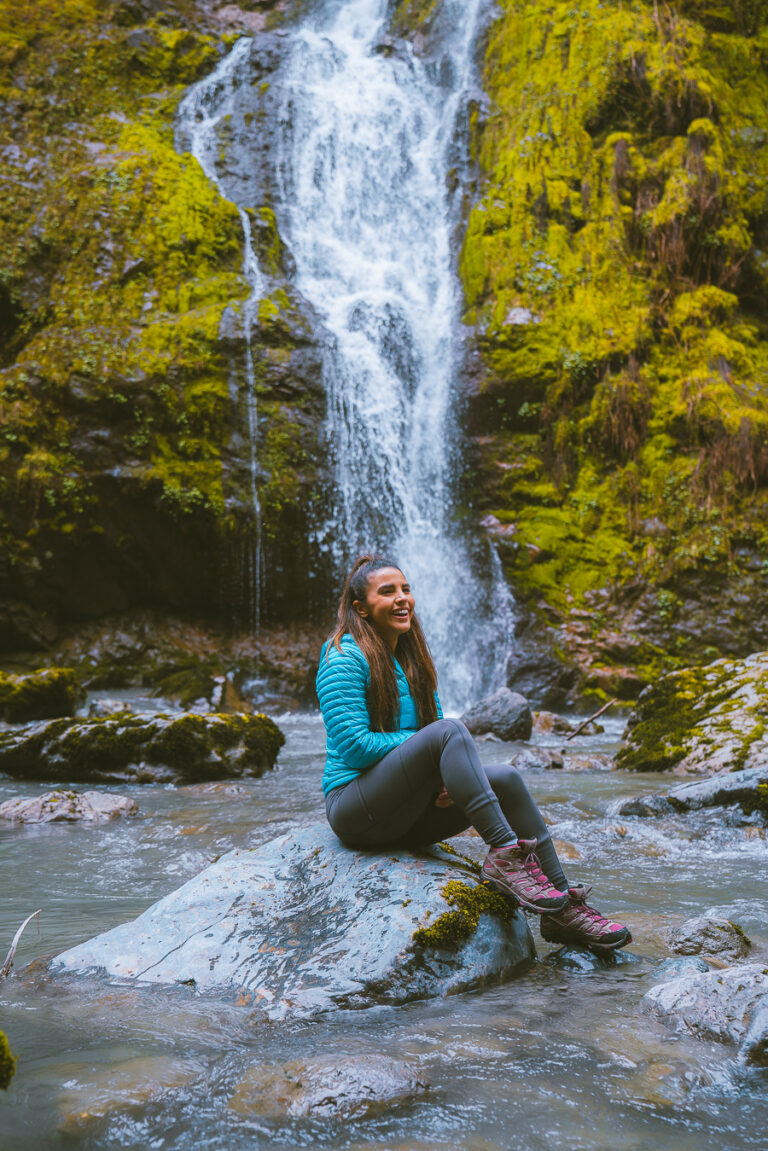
(516, 871)
(580, 923)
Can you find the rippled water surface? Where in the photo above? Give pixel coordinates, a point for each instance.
(555, 1059)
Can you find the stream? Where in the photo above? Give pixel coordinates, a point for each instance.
(556, 1058)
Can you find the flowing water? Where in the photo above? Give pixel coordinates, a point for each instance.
(553, 1059)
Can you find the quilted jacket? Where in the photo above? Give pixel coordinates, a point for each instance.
(342, 684)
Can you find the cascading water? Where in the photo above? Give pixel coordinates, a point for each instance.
(203, 110)
(362, 165)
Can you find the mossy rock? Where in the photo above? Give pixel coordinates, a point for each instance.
(45, 694)
(138, 749)
(701, 720)
(7, 1063)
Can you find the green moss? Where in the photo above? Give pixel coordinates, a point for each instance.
(412, 16)
(7, 1063)
(759, 803)
(44, 694)
(453, 928)
(623, 211)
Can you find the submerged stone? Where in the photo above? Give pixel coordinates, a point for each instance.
(328, 1087)
(676, 968)
(67, 807)
(143, 749)
(303, 925)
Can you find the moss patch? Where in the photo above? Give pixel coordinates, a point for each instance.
(45, 694)
(7, 1063)
(454, 928)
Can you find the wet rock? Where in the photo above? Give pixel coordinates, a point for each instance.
(91, 1096)
(701, 720)
(594, 761)
(677, 968)
(566, 850)
(303, 925)
(328, 1087)
(45, 694)
(730, 1006)
(745, 788)
(142, 749)
(99, 708)
(581, 959)
(532, 758)
(68, 807)
(547, 722)
(505, 713)
(710, 935)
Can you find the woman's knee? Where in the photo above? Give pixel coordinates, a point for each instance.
(507, 780)
(450, 729)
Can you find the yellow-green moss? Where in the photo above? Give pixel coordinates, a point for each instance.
(44, 694)
(454, 928)
(622, 219)
(7, 1063)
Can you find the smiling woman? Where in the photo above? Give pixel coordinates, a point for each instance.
(398, 772)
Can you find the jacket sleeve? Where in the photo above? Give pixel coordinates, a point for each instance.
(342, 679)
(439, 707)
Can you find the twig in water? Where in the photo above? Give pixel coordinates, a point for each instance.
(9, 957)
(585, 722)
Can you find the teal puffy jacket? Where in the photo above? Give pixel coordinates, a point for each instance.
(342, 685)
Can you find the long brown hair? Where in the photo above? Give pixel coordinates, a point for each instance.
(412, 652)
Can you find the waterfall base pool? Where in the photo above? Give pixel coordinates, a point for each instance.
(554, 1059)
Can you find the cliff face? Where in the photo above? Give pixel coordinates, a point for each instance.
(124, 451)
(616, 276)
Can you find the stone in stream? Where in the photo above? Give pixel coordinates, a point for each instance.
(730, 1006)
(67, 807)
(505, 713)
(710, 935)
(328, 1087)
(46, 694)
(701, 720)
(142, 749)
(747, 788)
(303, 925)
(676, 968)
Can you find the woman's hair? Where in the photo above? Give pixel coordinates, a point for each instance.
(413, 653)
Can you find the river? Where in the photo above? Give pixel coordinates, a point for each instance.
(557, 1058)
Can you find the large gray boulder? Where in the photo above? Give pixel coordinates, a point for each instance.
(505, 713)
(129, 748)
(730, 1006)
(745, 788)
(710, 935)
(302, 925)
(701, 720)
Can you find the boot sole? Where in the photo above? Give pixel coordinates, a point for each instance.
(593, 945)
(521, 899)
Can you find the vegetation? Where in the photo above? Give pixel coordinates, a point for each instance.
(454, 928)
(46, 694)
(7, 1063)
(615, 272)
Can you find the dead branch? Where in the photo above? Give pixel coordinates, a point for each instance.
(9, 957)
(585, 722)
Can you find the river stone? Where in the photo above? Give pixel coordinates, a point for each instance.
(532, 758)
(730, 1006)
(745, 788)
(45, 694)
(701, 720)
(142, 748)
(677, 968)
(302, 925)
(547, 722)
(67, 806)
(328, 1087)
(709, 935)
(505, 713)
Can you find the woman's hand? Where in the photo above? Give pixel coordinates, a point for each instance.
(443, 799)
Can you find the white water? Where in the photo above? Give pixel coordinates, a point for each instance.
(206, 106)
(365, 140)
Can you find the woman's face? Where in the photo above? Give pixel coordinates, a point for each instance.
(388, 604)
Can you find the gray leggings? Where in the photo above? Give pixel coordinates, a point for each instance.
(393, 802)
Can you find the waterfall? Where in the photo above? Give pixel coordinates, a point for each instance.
(365, 136)
(205, 108)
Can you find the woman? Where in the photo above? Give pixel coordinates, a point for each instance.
(398, 773)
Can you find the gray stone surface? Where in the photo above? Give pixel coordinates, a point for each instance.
(127, 748)
(710, 935)
(505, 713)
(328, 1087)
(730, 1006)
(67, 807)
(301, 925)
(737, 787)
(677, 968)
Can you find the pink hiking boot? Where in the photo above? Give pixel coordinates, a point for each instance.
(516, 871)
(580, 923)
